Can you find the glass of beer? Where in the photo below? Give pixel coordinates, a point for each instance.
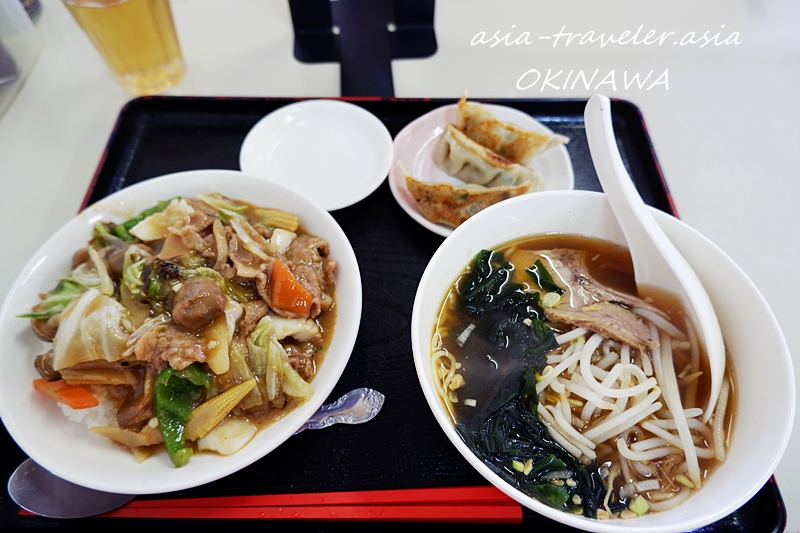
(137, 40)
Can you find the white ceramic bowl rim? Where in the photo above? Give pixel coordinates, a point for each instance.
(69, 449)
(753, 455)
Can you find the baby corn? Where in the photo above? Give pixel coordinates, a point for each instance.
(208, 415)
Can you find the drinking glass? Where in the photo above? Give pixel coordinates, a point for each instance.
(137, 40)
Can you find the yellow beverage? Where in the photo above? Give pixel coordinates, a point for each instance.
(137, 40)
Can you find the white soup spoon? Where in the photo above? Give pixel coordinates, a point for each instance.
(656, 261)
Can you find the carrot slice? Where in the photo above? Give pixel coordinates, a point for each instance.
(74, 396)
(286, 292)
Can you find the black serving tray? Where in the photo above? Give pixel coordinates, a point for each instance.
(403, 447)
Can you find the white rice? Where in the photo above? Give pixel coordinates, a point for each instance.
(101, 415)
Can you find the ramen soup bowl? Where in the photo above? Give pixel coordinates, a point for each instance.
(69, 449)
(764, 395)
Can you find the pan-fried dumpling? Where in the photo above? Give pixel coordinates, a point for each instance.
(507, 140)
(444, 203)
(459, 156)
(93, 327)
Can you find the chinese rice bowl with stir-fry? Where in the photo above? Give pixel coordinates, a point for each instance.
(572, 389)
(190, 326)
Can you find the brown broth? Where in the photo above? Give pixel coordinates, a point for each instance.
(483, 367)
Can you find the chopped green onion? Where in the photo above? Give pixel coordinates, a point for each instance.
(639, 505)
(685, 481)
(551, 299)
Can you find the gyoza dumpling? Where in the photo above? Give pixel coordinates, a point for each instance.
(506, 140)
(459, 156)
(444, 203)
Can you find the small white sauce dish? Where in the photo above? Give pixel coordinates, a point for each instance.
(334, 152)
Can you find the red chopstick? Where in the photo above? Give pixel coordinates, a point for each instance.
(478, 504)
(482, 513)
(438, 495)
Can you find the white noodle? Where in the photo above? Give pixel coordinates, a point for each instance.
(656, 354)
(642, 469)
(570, 350)
(681, 497)
(609, 357)
(621, 401)
(566, 411)
(625, 354)
(588, 411)
(613, 375)
(719, 421)
(625, 469)
(691, 390)
(587, 447)
(627, 419)
(635, 372)
(647, 365)
(587, 394)
(660, 322)
(586, 372)
(647, 444)
(556, 434)
(670, 383)
(694, 425)
(672, 440)
(693, 412)
(571, 335)
(609, 345)
(649, 455)
(553, 374)
(443, 370)
(574, 364)
(695, 358)
(597, 372)
(558, 385)
(621, 404)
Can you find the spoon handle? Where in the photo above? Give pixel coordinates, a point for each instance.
(626, 203)
(651, 242)
(355, 407)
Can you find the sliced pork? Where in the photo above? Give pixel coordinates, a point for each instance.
(307, 258)
(168, 344)
(591, 305)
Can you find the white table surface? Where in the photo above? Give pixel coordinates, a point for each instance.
(724, 127)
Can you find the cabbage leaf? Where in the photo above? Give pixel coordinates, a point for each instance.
(280, 375)
(93, 327)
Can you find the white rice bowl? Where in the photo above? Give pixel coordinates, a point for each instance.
(69, 449)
